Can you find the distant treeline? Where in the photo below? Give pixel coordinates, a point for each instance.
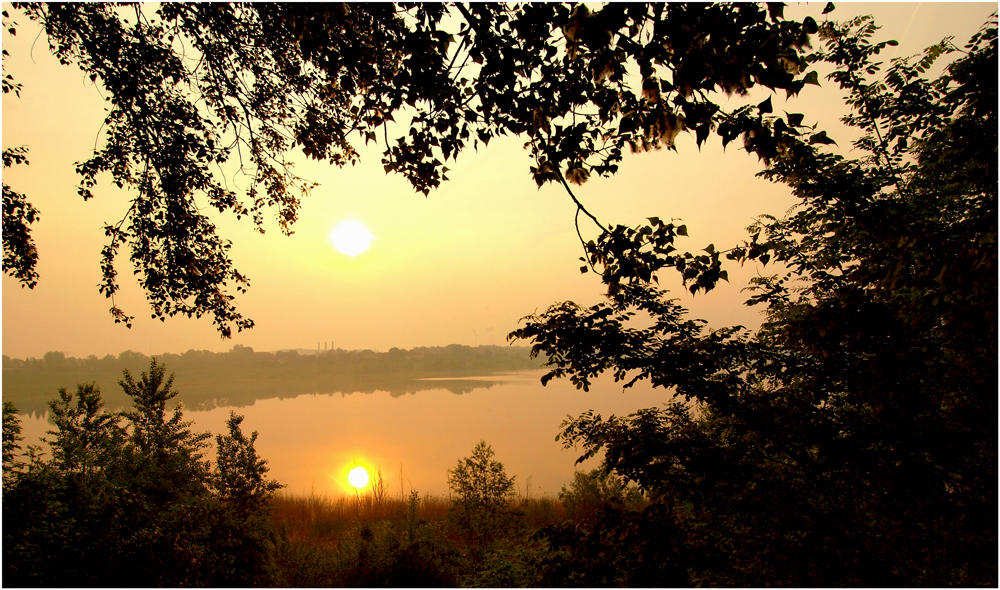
(241, 376)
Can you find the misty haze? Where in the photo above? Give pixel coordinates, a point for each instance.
(499, 295)
(319, 412)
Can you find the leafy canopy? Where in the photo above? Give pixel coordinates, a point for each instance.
(193, 86)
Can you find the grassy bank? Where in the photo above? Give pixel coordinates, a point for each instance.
(375, 540)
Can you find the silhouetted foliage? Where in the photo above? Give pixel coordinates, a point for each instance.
(193, 86)
(852, 439)
(849, 441)
(240, 478)
(617, 548)
(127, 499)
(11, 440)
(20, 257)
(590, 492)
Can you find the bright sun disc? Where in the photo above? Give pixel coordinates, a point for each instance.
(358, 477)
(351, 238)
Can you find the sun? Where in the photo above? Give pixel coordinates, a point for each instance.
(351, 238)
(358, 477)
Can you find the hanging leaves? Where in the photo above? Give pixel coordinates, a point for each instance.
(271, 78)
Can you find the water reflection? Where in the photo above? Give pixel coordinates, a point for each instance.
(207, 394)
(310, 439)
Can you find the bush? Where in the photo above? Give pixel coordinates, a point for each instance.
(590, 492)
(617, 548)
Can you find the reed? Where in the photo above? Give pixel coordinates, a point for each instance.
(326, 519)
(372, 539)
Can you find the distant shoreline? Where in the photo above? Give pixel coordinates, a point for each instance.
(240, 377)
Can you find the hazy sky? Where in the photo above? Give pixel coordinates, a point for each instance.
(461, 266)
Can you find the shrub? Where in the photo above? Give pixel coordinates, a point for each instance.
(597, 489)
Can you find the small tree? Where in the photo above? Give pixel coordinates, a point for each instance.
(141, 498)
(483, 490)
(243, 538)
(169, 453)
(240, 473)
(85, 433)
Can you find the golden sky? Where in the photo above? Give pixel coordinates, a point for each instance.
(460, 266)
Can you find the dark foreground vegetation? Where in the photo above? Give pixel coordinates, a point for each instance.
(130, 499)
(432, 541)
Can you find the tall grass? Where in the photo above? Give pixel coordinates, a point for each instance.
(375, 539)
(326, 519)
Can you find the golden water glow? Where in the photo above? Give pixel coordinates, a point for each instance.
(358, 477)
(351, 238)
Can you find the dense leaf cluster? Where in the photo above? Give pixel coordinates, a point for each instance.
(128, 499)
(19, 253)
(852, 439)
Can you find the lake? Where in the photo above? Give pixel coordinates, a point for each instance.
(311, 441)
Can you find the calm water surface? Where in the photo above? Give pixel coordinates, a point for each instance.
(312, 441)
